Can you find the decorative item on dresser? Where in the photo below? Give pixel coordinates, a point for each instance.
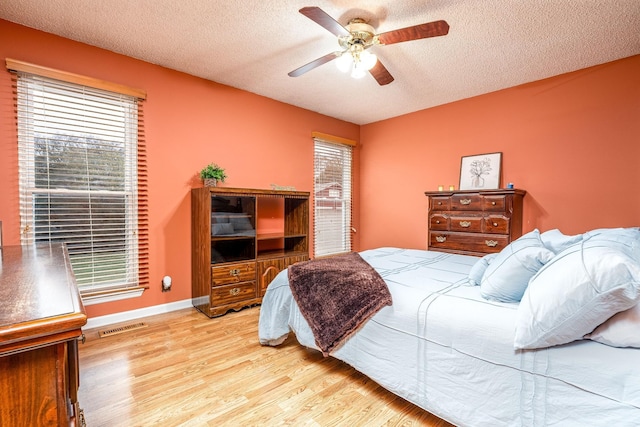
(474, 222)
(211, 174)
(480, 172)
(240, 240)
(40, 323)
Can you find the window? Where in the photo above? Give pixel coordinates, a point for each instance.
(332, 197)
(82, 181)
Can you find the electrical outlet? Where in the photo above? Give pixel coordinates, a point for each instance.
(166, 283)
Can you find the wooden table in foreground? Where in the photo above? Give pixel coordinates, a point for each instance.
(41, 316)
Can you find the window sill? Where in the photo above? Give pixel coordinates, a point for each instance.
(99, 297)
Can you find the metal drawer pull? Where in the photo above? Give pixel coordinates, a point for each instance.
(495, 224)
(465, 201)
(491, 243)
(234, 291)
(441, 239)
(493, 203)
(465, 224)
(437, 221)
(235, 272)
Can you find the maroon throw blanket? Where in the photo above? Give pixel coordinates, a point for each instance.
(336, 295)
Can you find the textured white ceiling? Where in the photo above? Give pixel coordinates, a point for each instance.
(252, 45)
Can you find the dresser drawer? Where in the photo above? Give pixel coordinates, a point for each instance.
(466, 202)
(233, 273)
(494, 203)
(439, 203)
(467, 242)
(229, 294)
(497, 224)
(471, 224)
(439, 222)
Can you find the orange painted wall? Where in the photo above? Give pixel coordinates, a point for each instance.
(572, 142)
(189, 122)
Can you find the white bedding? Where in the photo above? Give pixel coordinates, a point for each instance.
(448, 350)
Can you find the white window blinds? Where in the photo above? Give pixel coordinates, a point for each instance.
(332, 198)
(82, 167)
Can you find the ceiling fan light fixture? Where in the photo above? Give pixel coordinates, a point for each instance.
(358, 71)
(368, 60)
(358, 36)
(344, 62)
(357, 60)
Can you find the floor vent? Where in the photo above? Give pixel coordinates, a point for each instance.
(122, 329)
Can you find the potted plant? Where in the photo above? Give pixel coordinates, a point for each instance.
(211, 174)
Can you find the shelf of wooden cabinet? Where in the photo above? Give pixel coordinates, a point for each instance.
(270, 236)
(231, 237)
(273, 236)
(262, 255)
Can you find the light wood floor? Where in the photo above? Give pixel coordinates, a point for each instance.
(187, 369)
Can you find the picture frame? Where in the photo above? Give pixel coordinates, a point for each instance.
(480, 171)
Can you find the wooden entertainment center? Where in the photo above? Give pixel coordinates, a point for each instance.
(240, 240)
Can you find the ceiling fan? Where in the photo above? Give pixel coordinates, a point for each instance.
(357, 37)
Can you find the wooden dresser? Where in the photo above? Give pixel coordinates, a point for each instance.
(474, 222)
(40, 322)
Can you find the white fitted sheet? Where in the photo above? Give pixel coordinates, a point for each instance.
(448, 350)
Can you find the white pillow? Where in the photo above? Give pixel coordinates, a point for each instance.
(506, 278)
(578, 290)
(621, 330)
(557, 242)
(620, 231)
(478, 269)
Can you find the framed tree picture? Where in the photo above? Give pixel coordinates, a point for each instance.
(480, 172)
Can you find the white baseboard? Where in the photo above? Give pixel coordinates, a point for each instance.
(125, 316)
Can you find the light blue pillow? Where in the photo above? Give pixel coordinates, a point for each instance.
(612, 231)
(557, 242)
(506, 278)
(240, 222)
(629, 237)
(218, 218)
(221, 229)
(578, 290)
(478, 269)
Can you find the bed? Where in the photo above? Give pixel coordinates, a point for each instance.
(477, 352)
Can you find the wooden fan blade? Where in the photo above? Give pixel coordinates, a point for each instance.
(321, 18)
(422, 31)
(313, 64)
(381, 74)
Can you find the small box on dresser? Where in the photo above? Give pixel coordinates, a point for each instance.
(474, 222)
